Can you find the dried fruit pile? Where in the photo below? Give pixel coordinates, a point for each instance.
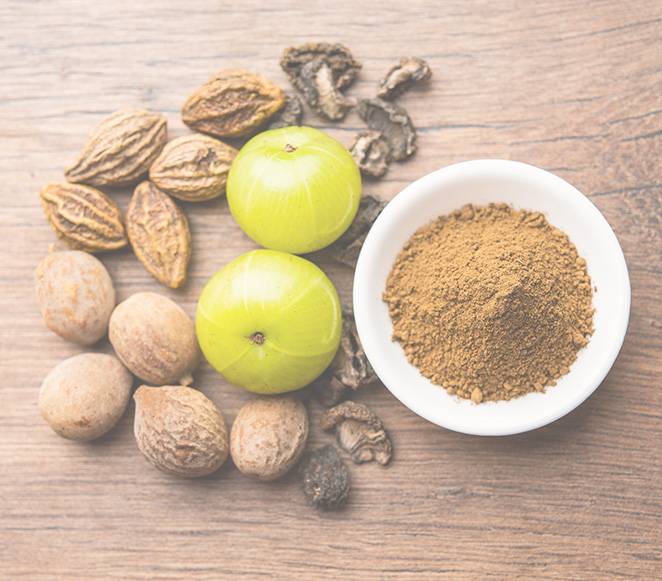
(177, 428)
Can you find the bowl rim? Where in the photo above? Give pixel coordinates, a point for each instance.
(413, 194)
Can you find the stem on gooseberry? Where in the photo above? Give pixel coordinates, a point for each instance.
(257, 338)
(289, 148)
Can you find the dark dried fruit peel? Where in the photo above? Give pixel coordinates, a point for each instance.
(290, 115)
(403, 75)
(393, 122)
(324, 478)
(344, 67)
(350, 365)
(371, 152)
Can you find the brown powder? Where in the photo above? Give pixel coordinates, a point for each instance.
(490, 302)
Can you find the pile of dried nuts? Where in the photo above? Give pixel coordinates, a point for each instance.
(177, 428)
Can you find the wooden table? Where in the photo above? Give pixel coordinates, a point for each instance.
(574, 87)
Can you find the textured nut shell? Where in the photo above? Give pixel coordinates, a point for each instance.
(232, 103)
(179, 430)
(268, 436)
(155, 339)
(85, 396)
(120, 149)
(193, 168)
(75, 295)
(83, 218)
(159, 233)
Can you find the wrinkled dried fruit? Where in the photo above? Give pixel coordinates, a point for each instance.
(342, 64)
(350, 365)
(232, 103)
(193, 168)
(76, 295)
(316, 84)
(179, 430)
(84, 396)
(120, 149)
(392, 122)
(159, 234)
(324, 478)
(359, 431)
(401, 76)
(155, 339)
(290, 115)
(347, 248)
(371, 152)
(83, 218)
(268, 436)
(327, 389)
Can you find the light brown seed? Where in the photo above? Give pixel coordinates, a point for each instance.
(193, 168)
(232, 103)
(159, 233)
(120, 149)
(83, 218)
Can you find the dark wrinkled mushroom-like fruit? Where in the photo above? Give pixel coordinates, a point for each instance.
(350, 365)
(344, 67)
(346, 249)
(324, 478)
(393, 122)
(315, 82)
(290, 115)
(371, 152)
(403, 75)
(327, 389)
(359, 431)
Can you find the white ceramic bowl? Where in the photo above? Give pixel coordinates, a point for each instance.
(524, 187)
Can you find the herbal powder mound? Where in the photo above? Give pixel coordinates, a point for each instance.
(490, 302)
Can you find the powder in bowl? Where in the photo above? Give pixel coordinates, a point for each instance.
(490, 302)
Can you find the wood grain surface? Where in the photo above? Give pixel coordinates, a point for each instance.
(574, 87)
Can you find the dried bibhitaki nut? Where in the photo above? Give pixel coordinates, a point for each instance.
(392, 122)
(120, 149)
(76, 295)
(84, 396)
(83, 218)
(371, 152)
(359, 431)
(232, 103)
(155, 339)
(339, 59)
(350, 365)
(179, 430)
(401, 76)
(193, 168)
(324, 478)
(347, 248)
(290, 115)
(315, 81)
(268, 436)
(159, 234)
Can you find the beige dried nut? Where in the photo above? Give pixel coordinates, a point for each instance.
(193, 168)
(83, 218)
(76, 295)
(232, 103)
(268, 436)
(359, 431)
(120, 149)
(179, 430)
(84, 396)
(155, 339)
(159, 233)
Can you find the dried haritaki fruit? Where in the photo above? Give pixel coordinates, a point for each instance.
(392, 122)
(193, 168)
(324, 478)
(401, 76)
(83, 218)
(347, 248)
(179, 430)
(155, 339)
(359, 431)
(232, 103)
(327, 388)
(159, 234)
(120, 149)
(84, 396)
(76, 295)
(268, 436)
(371, 152)
(316, 83)
(350, 365)
(339, 59)
(290, 115)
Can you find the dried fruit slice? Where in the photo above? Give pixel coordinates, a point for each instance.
(403, 75)
(315, 82)
(350, 365)
(290, 115)
(344, 67)
(393, 122)
(371, 152)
